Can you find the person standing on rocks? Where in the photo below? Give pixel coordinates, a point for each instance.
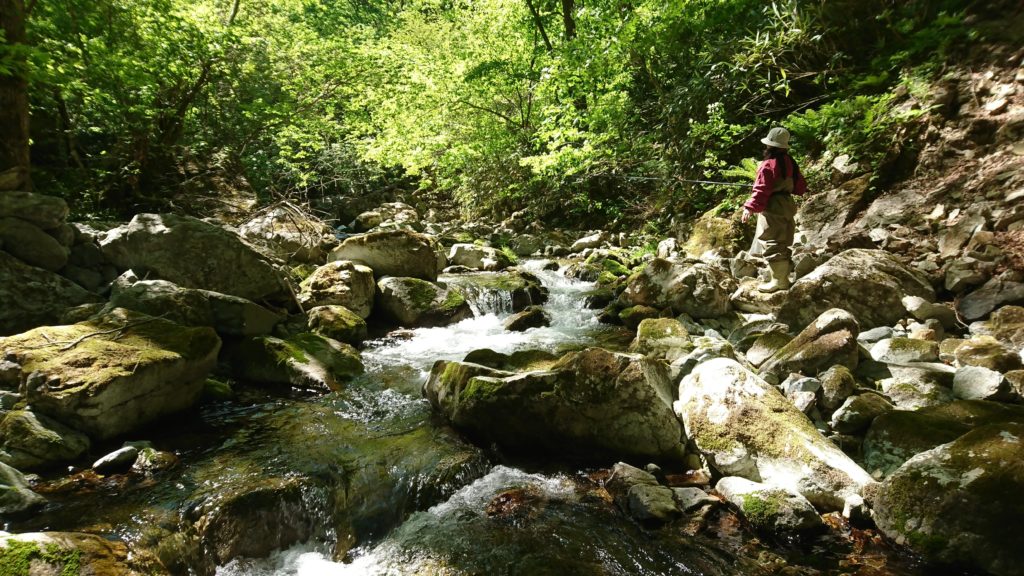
(778, 179)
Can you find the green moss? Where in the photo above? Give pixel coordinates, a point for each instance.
(761, 511)
(453, 299)
(16, 558)
(481, 388)
(606, 278)
(615, 267)
(421, 292)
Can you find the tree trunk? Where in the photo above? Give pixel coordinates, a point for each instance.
(540, 25)
(14, 137)
(569, 19)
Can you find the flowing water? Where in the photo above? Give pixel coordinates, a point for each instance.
(373, 467)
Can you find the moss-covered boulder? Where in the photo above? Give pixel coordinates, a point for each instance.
(478, 257)
(634, 316)
(33, 441)
(830, 340)
(60, 553)
(987, 352)
(661, 338)
(896, 436)
(691, 287)
(771, 509)
(305, 360)
(337, 322)
(518, 361)
(710, 233)
(508, 291)
(340, 283)
(904, 350)
(858, 412)
(393, 253)
(870, 284)
(193, 254)
(1006, 324)
(33, 296)
(960, 503)
(15, 494)
(745, 427)
(412, 302)
(591, 404)
(289, 234)
(229, 315)
(114, 372)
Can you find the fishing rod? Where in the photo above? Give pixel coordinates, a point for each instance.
(689, 181)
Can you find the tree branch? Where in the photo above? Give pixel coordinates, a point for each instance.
(540, 25)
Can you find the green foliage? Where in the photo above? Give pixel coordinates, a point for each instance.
(600, 121)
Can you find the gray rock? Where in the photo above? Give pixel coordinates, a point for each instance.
(771, 509)
(340, 283)
(869, 284)
(925, 503)
(478, 257)
(337, 322)
(977, 383)
(858, 412)
(915, 395)
(837, 384)
(987, 352)
(953, 239)
(113, 372)
(993, 294)
(288, 234)
(393, 253)
(117, 461)
(923, 310)
(689, 287)
(691, 499)
(662, 337)
(34, 441)
(31, 245)
(15, 494)
(652, 503)
(745, 427)
(46, 212)
(594, 240)
(830, 340)
(962, 274)
(747, 298)
(531, 317)
(875, 334)
(228, 315)
(592, 403)
(766, 346)
(904, 350)
(193, 254)
(412, 302)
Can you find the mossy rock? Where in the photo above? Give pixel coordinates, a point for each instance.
(771, 509)
(958, 503)
(34, 441)
(633, 316)
(340, 283)
(114, 372)
(412, 302)
(64, 554)
(830, 340)
(897, 436)
(305, 360)
(711, 233)
(987, 352)
(518, 361)
(339, 323)
(660, 337)
(745, 427)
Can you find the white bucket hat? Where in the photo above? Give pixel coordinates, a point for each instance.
(778, 137)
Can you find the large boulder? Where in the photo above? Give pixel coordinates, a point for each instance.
(229, 315)
(1006, 325)
(15, 494)
(829, 341)
(53, 553)
(393, 253)
(895, 437)
(591, 404)
(31, 245)
(959, 503)
(340, 283)
(412, 302)
(870, 284)
(478, 257)
(288, 234)
(337, 322)
(689, 287)
(193, 254)
(33, 296)
(389, 215)
(306, 360)
(745, 427)
(46, 212)
(662, 338)
(33, 441)
(113, 372)
(994, 293)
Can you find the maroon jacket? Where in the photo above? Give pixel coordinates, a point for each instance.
(768, 177)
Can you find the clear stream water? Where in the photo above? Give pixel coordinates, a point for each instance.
(374, 462)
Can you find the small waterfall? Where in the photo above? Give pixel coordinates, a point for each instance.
(486, 300)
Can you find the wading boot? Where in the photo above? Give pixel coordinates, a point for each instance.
(779, 276)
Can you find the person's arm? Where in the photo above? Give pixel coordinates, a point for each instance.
(763, 185)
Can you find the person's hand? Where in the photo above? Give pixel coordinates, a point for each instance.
(746, 216)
